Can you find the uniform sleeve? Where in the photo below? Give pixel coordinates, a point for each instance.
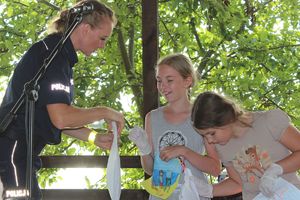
(277, 122)
(56, 86)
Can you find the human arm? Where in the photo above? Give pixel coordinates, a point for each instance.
(66, 116)
(209, 163)
(103, 140)
(147, 161)
(140, 138)
(290, 139)
(230, 186)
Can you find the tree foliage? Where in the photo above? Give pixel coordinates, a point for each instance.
(247, 49)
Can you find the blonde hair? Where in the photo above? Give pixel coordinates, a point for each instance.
(100, 11)
(181, 63)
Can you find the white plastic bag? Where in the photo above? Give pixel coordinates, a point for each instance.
(113, 173)
(284, 191)
(188, 189)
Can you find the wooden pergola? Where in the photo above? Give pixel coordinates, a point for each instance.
(150, 101)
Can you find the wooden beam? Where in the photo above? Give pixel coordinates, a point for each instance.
(91, 194)
(95, 194)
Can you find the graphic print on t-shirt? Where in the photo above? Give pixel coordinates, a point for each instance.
(166, 174)
(251, 163)
(171, 138)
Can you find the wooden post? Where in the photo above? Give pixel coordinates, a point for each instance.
(150, 54)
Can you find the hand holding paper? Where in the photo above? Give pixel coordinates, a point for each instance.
(139, 137)
(268, 180)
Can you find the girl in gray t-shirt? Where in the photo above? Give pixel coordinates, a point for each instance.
(169, 132)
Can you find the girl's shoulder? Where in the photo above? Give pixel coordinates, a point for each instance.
(271, 115)
(157, 110)
(275, 121)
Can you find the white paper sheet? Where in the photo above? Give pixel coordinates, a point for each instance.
(284, 191)
(113, 173)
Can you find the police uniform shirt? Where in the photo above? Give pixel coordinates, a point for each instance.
(56, 86)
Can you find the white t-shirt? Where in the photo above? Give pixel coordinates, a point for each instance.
(255, 150)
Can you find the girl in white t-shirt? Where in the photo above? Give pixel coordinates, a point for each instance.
(255, 147)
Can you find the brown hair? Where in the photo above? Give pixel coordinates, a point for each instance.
(212, 110)
(60, 24)
(181, 63)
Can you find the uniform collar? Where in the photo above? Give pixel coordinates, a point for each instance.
(72, 55)
(68, 49)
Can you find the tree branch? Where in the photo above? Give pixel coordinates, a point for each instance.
(130, 73)
(269, 49)
(55, 7)
(169, 33)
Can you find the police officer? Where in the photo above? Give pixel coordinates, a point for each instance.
(53, 110)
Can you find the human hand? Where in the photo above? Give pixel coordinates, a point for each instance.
(167, 153)
(268, 180)
(104, 141)
(139, 137)
(116, 116)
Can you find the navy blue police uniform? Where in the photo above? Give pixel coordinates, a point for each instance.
(56, 86)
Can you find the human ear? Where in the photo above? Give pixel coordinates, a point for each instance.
(85, 28)
(188, 82)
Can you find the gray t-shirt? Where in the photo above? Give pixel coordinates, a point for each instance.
(166, 134)
(255, 150)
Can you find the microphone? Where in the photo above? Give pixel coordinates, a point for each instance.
(86, 8)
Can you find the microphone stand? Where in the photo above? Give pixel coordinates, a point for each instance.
(31, 92)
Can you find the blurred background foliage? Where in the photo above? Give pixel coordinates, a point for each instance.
(246, 49)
